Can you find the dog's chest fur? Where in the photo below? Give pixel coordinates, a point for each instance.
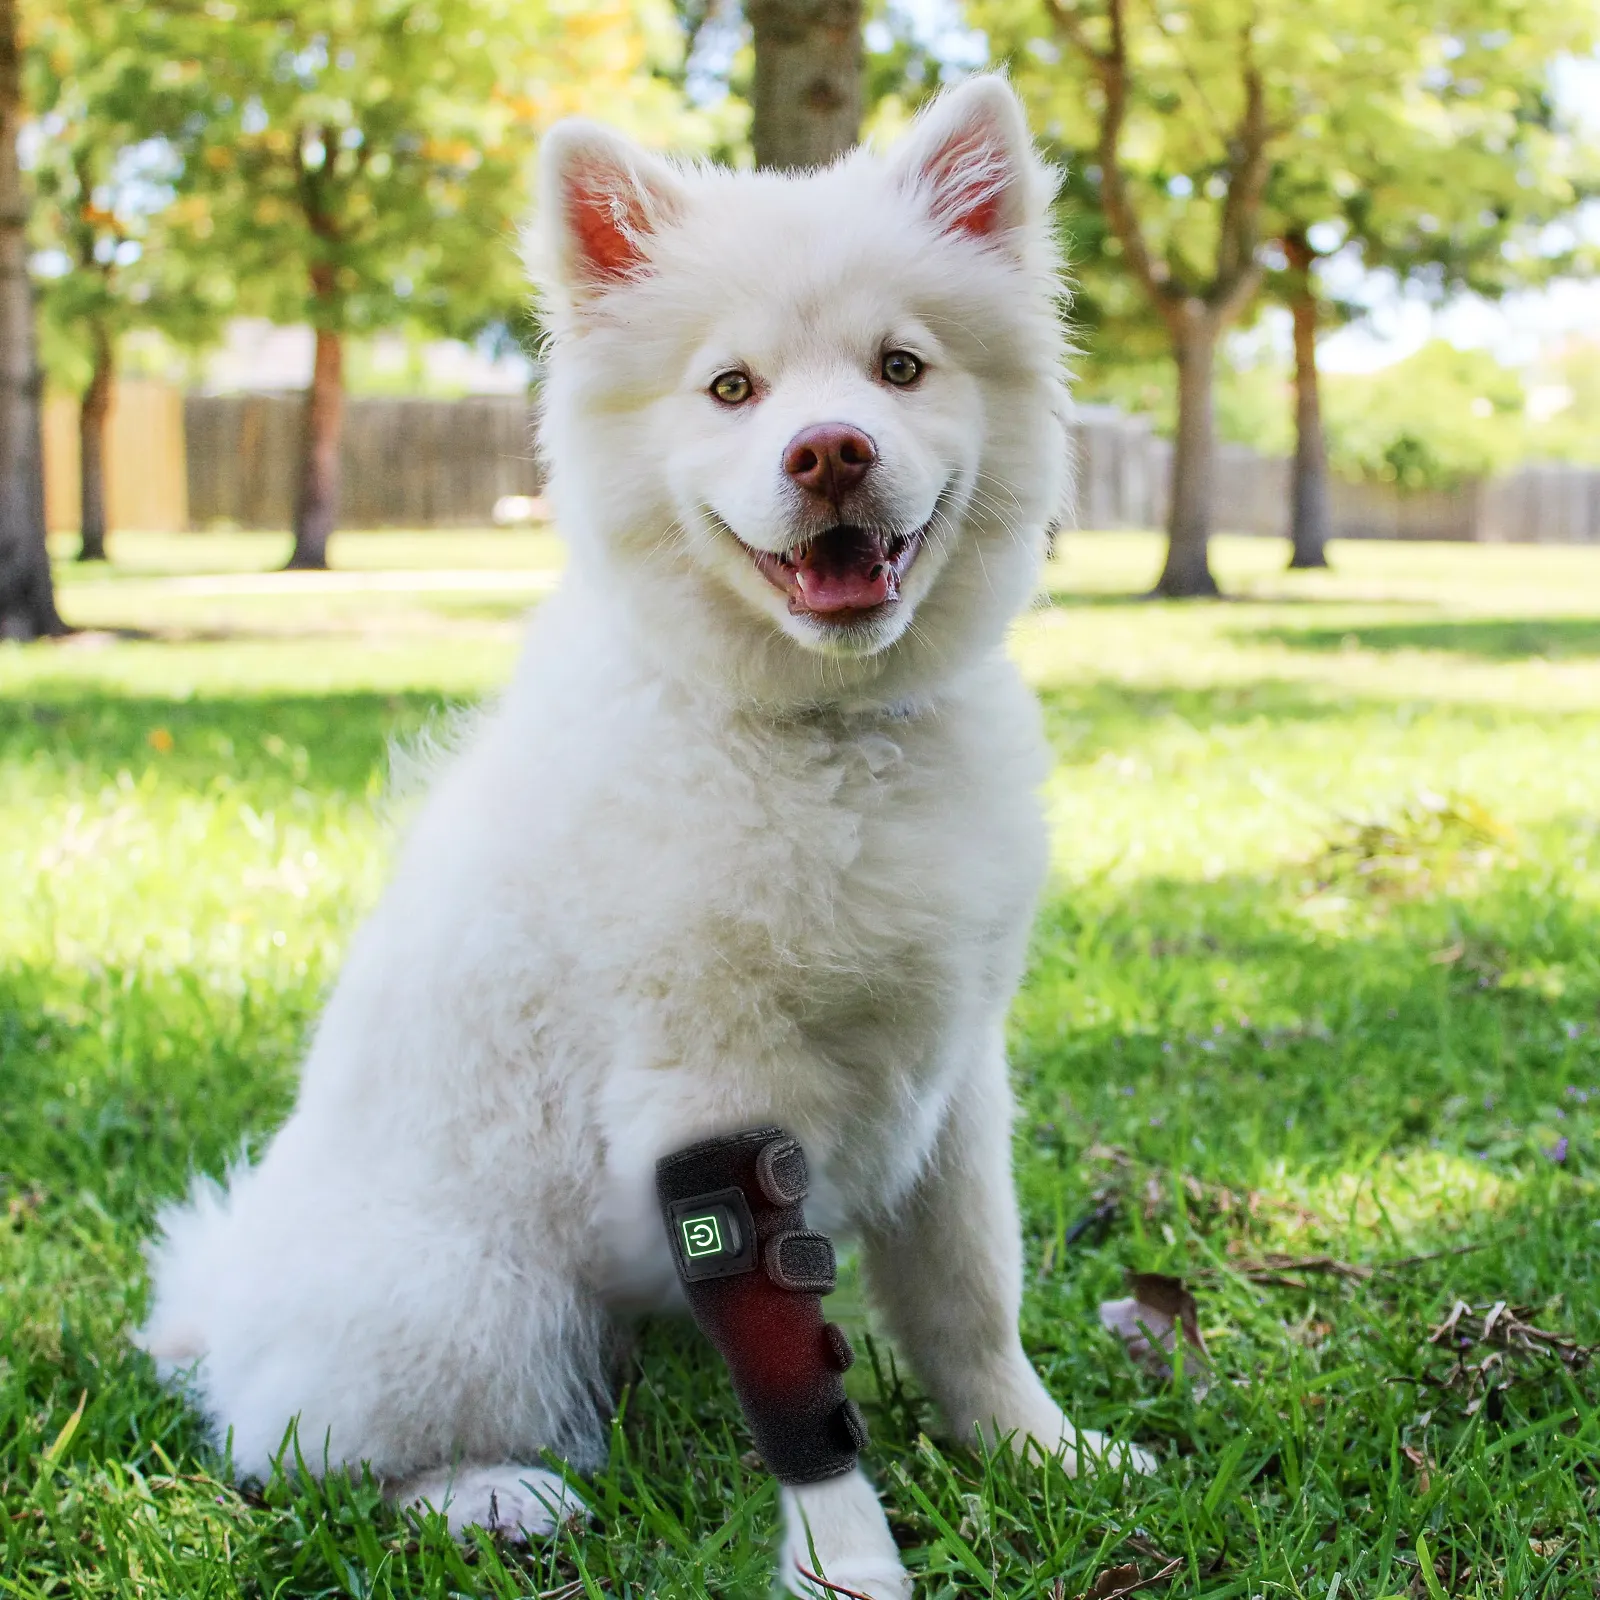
(814, 920)
(632, 915)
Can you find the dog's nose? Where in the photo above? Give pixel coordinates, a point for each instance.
(829, 458)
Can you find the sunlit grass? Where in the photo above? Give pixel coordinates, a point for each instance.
(1318, 973)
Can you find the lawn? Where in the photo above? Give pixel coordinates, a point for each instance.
(1312, 1021)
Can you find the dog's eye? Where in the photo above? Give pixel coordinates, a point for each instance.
(900, 367)
(732, 388)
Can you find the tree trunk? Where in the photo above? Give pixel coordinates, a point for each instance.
(317, 504)
(1311, 517)
(1187, 574)
(27, 595)
(93, 410)
(806, 99)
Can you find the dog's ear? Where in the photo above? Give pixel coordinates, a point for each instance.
(600, 199)
(971, 161)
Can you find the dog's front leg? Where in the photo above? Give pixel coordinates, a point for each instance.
(947, 1275)
(837, 1531)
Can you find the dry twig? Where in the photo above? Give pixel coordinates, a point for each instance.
(1508, 1333)
(832, 1588)
(1276, 1268)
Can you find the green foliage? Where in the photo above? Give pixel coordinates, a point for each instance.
(1449, 175)
(1190, 73)
(1422, 134)
(1255, 1053)
(1429, 421)
(363, 163)
(101, 221)
(1564, 405)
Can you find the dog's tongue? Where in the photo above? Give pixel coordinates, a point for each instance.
(844, 569)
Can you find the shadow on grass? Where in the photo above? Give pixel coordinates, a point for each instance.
(1074, 600)
(121, 1082)
(1154, 1013)
(1084, 718)
(1218, 1027)
(422, 622)
(339, 741)
(323, 742)
(1087, 718)
(1488, 638)
(1358, 1047)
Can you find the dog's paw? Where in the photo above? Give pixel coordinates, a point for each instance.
(836, 1542)
(1088, 1451)
(517, 1503)
(871, 1579)
(1079, 1450)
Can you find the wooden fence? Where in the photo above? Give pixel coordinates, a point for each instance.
(1123, 469)
(144, 460)
(406, 463)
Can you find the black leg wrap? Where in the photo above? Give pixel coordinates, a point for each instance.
(755, 1276)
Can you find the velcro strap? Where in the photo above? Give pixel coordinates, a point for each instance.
(781, 1172)
(801, 1260)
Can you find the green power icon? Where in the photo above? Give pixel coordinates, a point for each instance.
(702, 1236)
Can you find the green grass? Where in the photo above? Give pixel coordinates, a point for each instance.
(1318, 973)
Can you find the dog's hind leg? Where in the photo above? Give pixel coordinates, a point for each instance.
(398, 1334)
(515, 1501)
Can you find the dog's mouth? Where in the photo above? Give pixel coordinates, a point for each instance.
(845, 574)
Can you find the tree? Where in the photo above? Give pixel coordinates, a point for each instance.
(1180, 123)
(112, 250)
(1310, 511)
(1186, 113)
(27, 594)
(806, 95)
(362, 162)
(1446, 186)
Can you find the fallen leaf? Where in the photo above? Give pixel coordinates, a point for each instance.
(1115, 1582)
(20, 1207)
(1148, 1320)
(1112, 1580)
(1420, 1461)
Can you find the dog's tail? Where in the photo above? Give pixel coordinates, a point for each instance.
(184, 1259)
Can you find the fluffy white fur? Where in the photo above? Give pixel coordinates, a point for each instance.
(706, 864)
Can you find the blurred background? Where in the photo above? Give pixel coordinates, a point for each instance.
(1311, 1027)
(1331, 262)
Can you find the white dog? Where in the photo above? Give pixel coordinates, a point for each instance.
(751, 838)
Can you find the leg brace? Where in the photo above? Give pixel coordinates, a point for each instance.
(755, 1275)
